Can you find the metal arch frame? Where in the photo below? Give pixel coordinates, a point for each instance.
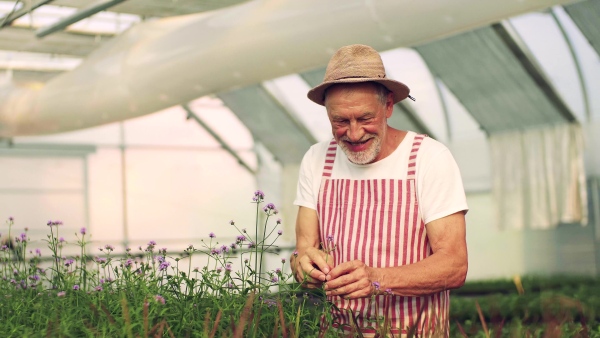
(574, 56)
(75, 17)
(302, 128)
(218, 138)
(21, 12)
(511, 39)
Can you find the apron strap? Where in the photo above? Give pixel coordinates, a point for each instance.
(412, 159)
(329, 158)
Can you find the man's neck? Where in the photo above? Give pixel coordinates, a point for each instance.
(392, 140)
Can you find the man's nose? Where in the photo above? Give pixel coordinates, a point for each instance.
(355, 132)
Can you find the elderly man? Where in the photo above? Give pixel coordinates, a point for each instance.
(381, 210)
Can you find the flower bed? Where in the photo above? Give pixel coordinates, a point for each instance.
(149, 292)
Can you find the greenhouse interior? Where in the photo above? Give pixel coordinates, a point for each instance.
(156, 121)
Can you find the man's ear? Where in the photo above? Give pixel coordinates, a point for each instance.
(389, 105)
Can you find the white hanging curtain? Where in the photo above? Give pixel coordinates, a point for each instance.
(539, 177)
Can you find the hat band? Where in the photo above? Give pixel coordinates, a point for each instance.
(359, 77)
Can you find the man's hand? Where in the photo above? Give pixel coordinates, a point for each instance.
(349, 280)
(312, 267)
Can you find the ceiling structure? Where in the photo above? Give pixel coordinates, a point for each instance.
(489, 71)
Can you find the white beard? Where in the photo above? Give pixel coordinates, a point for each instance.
(362, 157)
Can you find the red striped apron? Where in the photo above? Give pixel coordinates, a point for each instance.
(377, 221)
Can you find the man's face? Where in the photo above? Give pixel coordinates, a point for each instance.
(358, 120)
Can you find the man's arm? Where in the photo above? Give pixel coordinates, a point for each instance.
(310, 261)
(445, 269)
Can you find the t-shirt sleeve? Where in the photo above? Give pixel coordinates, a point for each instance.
(305, 195)
(439, 185)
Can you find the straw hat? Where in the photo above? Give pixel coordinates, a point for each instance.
(353, 64)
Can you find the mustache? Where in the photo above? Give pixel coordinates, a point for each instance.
(363, 139)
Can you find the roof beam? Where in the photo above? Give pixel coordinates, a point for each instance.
(77, 16)
(23, 11)
(530, 66)
(218, 138)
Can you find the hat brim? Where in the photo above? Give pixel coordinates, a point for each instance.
(399, 89)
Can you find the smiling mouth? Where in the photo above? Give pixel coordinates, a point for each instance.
(357, 143)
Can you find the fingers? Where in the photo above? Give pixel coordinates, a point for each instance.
(345, 268)
(358, 289)
(322, 260)
(350, 280)
(313, 267)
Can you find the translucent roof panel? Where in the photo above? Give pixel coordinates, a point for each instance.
(284, 136)
(291, 91)
(407, 66)
(537, 30)
(37, 61)
(99, 23)
(462, 125)
(589, 58)
(484, 74)
(586, 15)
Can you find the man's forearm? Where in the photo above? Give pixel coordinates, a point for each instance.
(438, 272)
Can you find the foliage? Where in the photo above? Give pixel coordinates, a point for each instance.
(150, 292)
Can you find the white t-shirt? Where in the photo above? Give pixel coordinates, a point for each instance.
(440, 190)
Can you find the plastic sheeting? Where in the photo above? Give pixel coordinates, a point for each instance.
(538, 177)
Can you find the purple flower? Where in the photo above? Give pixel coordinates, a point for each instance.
(69, 262)
(240, 239)
(388, 291)
(62, 239)
(251, 245)
(228, 268)
(98, 288)
(52, 223)
(75, 287)
(38, 252)
(280, 232)
(109, 247)
(11, 219)
(215, 251)
(376, 285)
(274, 279)
(24, 237)
(278, 271)
(283, 260)
(34, 277)
(330, 238)
(160, 259)
(232, 222)
(295, 253)
(232, 245)
(61, 294)
(100, 260)
(83, 231)
(160, 299)
(128, 263)
(212, 235)
(163, 266)
(259, 196)
(219, 270)
(152, 243)
(270, 209)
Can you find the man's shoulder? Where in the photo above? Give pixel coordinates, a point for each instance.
(432, 146)
(318, 150)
